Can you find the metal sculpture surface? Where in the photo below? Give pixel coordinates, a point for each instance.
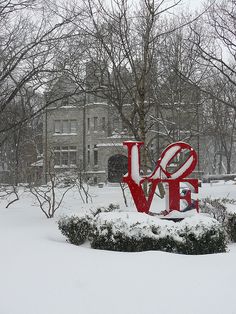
(171, 181)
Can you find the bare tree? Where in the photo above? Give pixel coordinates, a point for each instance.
(17, 147)
(177, 98)
(83, 186)
(215, 40)
(121, 43)
(49, 197)
(220, 122)
(31, 34)
(28, 47)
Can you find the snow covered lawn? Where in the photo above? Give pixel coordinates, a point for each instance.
(42, 274)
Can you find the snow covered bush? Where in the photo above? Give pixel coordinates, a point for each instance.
(231, 227)
(111, 207)
(134, 232)
(216, 207)
(201, 235)
(223, 210)
(75, 228)
(65, 179)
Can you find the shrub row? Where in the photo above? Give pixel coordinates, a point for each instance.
(134, 232)
(75, 228)
(224, 211)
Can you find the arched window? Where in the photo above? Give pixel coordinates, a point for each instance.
(117, 167)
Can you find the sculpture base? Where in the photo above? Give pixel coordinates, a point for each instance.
(175, 215)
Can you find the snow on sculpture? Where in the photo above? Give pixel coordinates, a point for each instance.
(161, 174)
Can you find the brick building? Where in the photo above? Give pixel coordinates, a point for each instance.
(84, 133)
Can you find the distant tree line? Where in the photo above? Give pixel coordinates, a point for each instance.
(175, 68)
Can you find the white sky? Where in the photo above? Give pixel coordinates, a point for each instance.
(193, 4)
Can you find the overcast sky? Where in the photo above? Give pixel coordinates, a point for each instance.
(193, 4)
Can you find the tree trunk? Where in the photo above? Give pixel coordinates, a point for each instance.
(228, 165)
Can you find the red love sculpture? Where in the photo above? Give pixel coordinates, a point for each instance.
(161, 174)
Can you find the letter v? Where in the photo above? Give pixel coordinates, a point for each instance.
(141, 202)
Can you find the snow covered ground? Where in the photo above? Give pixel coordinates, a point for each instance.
(42, 274)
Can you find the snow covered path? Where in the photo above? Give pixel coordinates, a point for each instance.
(41, 274)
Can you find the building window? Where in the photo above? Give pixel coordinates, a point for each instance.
(65, 101)
(95, 123)
(57, 126)
(95, 158)
(73, 126)
(57, 159)
(116, 124)
(72, 158)
(103, 123)
(65, 156)
(72, 148)
(88, 154)
(95, 155)
(88, 125)
(65, 127)
(65, 159)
